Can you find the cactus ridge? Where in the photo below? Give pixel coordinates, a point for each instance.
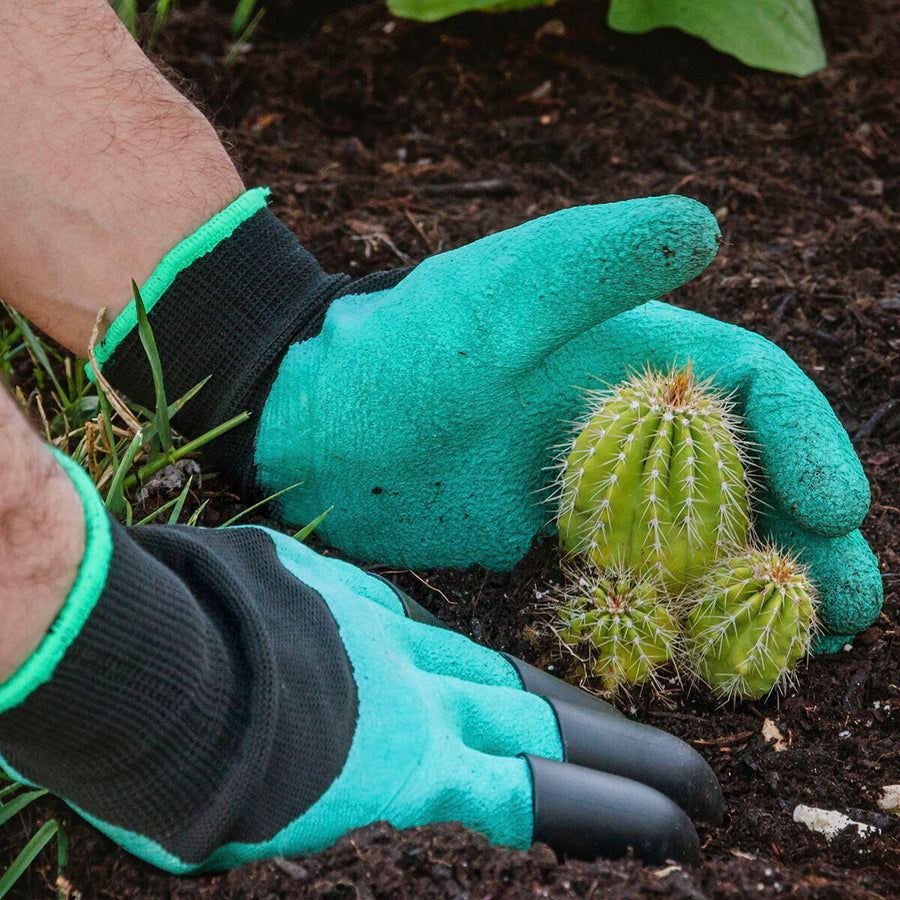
(752, 620)
(619, 623)
(655, 479)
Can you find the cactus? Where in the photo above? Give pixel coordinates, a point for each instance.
(621, 624)
(750, 622)
(655, 481)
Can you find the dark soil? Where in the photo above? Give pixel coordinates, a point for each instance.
(385, 141)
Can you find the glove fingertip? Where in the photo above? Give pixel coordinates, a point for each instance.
(830, 502)
(827, 644)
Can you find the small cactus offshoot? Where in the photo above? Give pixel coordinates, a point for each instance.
(750, 622)
(618, 624)
(655, 482)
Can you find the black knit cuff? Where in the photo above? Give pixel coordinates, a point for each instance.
(231, 314)
(208, 697)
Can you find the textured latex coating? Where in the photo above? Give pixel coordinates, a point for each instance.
(422, 414)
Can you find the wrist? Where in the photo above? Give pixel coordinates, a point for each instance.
(105, 166)
(54, 547)
(224, 305)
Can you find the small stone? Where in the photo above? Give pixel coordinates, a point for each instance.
(551, 28)
(170, 479)
(830, 822)
(889, 800)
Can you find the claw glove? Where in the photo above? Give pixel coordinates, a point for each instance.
(206, 698)
(424, 404)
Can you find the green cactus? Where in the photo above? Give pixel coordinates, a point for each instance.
(655, 482)
(750, 622)
(618, 624)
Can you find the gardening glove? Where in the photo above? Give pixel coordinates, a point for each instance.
(408, 400)
(811, 493)
(424, 408)
(207, 697)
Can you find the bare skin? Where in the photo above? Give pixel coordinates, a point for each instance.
(105, 166)
(42, 538)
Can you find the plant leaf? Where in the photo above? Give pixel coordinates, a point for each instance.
(15, 806)
(781, 35)
(161, 416)
(433, 10)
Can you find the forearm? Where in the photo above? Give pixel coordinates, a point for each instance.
(42, 538)
(105, 166)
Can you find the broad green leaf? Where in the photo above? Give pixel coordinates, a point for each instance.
(781, 35)
(433, 10)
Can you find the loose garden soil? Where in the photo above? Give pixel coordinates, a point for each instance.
(385, 141)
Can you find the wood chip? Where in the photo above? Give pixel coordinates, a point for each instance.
(728, 740)
(668, 870)
(830, 822)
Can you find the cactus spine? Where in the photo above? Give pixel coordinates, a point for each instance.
(619, 624)
(751, 621)
(654, 482)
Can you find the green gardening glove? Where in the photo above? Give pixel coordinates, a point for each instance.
(208, 697)
(410, 403)
(422, 406)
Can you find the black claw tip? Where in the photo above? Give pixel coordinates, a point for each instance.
(641, 753)
(586, 814)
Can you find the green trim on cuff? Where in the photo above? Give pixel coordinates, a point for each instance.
(203, 241)
(39, 667)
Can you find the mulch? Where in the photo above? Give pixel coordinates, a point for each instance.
(385, 141)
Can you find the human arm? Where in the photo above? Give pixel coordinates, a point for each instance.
(105, 165)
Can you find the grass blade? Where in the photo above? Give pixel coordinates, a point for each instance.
(9, 789)
(163, 8)
(40, 840)
(127, 12)
(242, 41)
(257, 505)
(12, 807)
(195, 515)
(62, 860)
(157, 512)
(241, 16)
(161, 417)
(115, 495)
(166, 459)
(307, 530)
(179, 503)
(37, 349)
